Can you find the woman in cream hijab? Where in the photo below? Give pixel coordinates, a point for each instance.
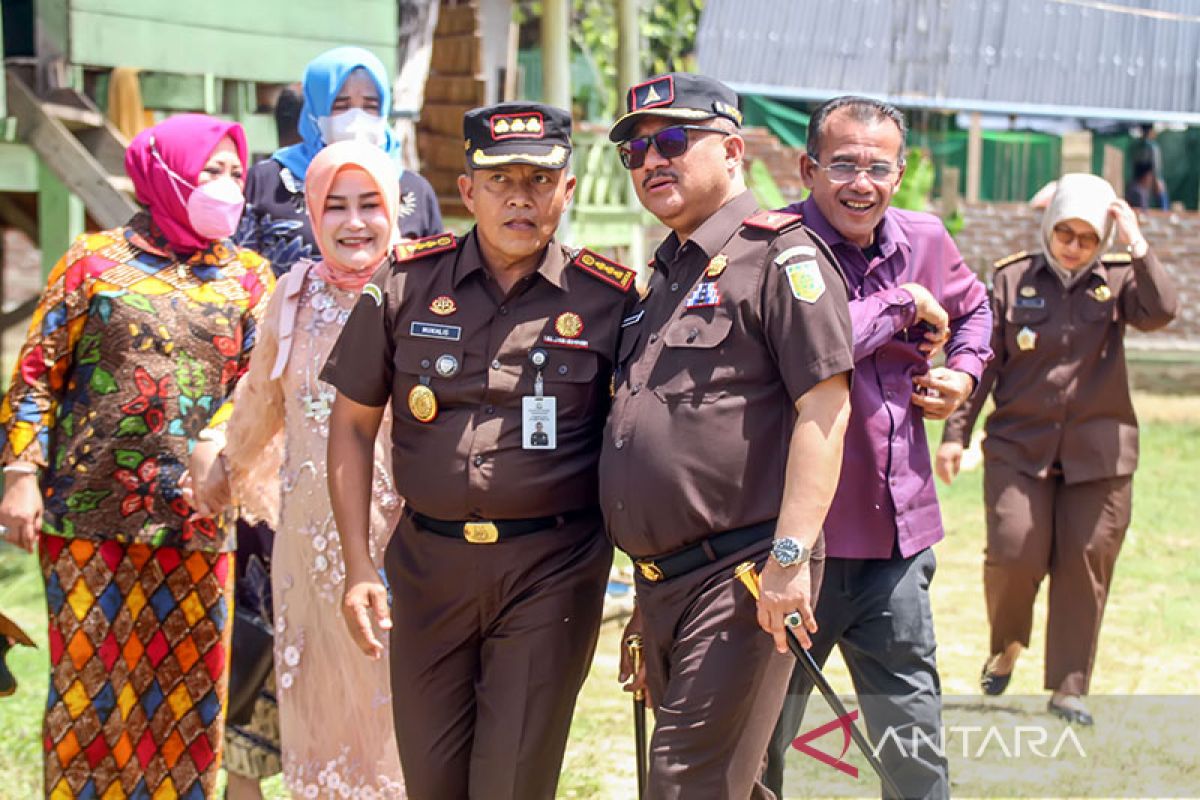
(335, 716)
(1061, 444)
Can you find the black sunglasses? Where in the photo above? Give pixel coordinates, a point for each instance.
(670, 142)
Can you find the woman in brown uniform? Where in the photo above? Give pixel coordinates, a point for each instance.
(1061, 443)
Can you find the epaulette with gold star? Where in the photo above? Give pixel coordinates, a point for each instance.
(1011, 259)
(772, 220)
(419, 248)
(604, 269)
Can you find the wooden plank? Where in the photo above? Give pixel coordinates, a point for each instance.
(60, 217)
(359, 22)
(456, 20)
(438, 151)
(59, 151)
(455, 89)
(1113, 169)
(242, 54)
(1076, 152)
(456, 55)
(443, 118)
(974, 157)
(18, 168)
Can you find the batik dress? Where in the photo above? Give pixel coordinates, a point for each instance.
(130, 354)
(335, 710)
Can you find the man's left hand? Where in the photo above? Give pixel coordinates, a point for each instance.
(945, 390)
(782, 591)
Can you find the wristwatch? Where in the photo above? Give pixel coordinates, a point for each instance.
(789, 552)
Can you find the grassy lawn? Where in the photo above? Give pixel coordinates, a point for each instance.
(1148, 648)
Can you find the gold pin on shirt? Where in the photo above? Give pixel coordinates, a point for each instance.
(422, 402)
(1102, 293)
(1027, 338)
(716, 266)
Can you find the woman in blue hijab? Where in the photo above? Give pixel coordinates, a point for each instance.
(346, 97)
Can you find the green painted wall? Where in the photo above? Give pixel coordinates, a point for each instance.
(255, 40)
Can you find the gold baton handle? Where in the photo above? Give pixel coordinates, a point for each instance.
(633, 644)
(749, 578)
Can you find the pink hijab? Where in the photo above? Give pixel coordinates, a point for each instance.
(318, 182)
(184, 142)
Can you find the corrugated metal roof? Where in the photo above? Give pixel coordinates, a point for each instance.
(1115, 59)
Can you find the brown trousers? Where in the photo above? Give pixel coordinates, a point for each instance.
(716, 680)
(490, 645)
(1073, 532)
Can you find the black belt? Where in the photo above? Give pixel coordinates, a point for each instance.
(484, 531)
(694, 556)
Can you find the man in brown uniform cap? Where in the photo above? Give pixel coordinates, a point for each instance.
(725, 438)
(498, 567)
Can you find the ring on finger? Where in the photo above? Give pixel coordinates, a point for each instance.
(793, 619)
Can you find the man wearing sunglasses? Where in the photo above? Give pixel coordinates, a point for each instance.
(911, 295)
(724, 442)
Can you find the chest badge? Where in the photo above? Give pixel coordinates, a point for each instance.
(1102, 293)
(446, 366)
(443, 306)
(1027, 338)
(1028, 291)
(705, 295)
(569, 325)
(716, 266)
(422, 402)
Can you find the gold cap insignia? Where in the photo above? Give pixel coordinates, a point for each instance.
(1028, 291)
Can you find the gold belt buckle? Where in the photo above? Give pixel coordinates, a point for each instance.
(481, 532)
(650, 571)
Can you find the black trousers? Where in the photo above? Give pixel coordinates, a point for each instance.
(877, 612)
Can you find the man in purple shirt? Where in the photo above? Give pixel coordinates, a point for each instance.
(911, 296)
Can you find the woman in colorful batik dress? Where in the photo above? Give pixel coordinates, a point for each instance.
(335, 714)
(135, 349)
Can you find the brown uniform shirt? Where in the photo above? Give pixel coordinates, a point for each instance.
(468, 462)
(1061, 389)
(709, 371)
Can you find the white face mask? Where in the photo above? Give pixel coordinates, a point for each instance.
(353, 125)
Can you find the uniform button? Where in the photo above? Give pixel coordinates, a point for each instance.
(495, 363)
(619, 443)
(425, 363)
(503, 311)
(692, 334)
(562, 369)
(637, 387)
(478, 461)
(489, 409)
(620, 506)
(888, 395)
(653, 338)
(892, 481)
(674, 287)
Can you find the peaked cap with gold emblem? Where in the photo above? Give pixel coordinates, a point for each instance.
(517, 133)
(676, 95)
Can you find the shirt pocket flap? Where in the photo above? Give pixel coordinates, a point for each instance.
(571, 366)
(696, 331)
(1027, 315)
(434, 359)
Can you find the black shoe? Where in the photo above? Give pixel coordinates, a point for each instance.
(993, 683)
(1072, 715)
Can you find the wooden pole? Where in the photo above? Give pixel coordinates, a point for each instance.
(556, 53)
(974, 157)
(629, 48)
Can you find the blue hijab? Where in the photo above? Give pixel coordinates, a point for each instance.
(323, 78)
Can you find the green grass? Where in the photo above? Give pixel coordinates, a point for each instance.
(1148, 647)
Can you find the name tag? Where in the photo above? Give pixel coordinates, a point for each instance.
(1031, 302)
(432, 330)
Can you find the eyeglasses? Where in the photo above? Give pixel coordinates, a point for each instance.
(670, 143)
(845, 172)
(1065, 235)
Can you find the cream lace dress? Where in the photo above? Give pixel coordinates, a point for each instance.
(335, 712)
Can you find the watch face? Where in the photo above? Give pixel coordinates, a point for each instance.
(786, 551)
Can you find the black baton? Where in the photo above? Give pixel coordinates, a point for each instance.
(746, 574)
(633, 644)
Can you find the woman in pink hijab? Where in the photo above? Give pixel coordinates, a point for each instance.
(133, 351)
(334, 703)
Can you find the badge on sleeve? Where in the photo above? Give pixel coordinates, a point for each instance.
(1027, 338)
(374, 292)
(804, 278)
